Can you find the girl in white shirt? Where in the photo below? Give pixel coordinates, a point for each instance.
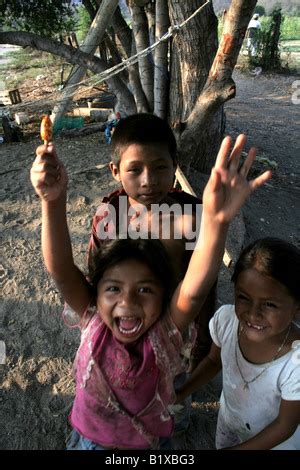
(256, 343)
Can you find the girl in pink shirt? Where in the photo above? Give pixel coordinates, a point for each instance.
(134, 324)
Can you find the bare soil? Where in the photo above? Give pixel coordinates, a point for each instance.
(36, 383)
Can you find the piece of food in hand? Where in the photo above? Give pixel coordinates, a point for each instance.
(46, 129)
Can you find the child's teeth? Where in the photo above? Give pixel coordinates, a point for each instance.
(129, 325)
(257, 327)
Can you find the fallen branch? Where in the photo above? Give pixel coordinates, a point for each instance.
(91, 129)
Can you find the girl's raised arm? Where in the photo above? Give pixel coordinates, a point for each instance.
(49, 179)
(224, 195)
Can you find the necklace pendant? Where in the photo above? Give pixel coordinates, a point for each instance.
(245, 387)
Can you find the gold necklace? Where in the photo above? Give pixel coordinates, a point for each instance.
(247, 382)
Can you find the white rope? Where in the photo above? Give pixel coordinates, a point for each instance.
(107, 74)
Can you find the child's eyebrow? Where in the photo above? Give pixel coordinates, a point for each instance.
(136, 162)
(142, 281)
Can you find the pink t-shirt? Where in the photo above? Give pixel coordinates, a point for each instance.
(128, 369)
(122, 392)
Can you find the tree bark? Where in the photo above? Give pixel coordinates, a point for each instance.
(141, 36)
(122, 31)
(136, 86)
(204, 125)
(161, 74)
(150, 13)
(115, 56)
(194, 48)
(127, 45)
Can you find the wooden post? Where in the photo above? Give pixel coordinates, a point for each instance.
(185, 185)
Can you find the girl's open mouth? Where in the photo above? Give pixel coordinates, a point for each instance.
(129, 326)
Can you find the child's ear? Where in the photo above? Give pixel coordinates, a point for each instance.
(114, 171)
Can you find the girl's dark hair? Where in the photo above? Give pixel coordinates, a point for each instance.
(275, 258)
(142, 129)
(150, 252)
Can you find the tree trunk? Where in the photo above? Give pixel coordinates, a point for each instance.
(115, 56)
(161, 75)
(101, 21)
(194, 47)
(141, 36)
(127, 45)
(122, 31)
(136, 86)
(201, 138)
(175, 94)
(150, 13)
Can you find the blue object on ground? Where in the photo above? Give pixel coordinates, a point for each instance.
(68, 122)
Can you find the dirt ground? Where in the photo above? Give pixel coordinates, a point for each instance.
(36, 383)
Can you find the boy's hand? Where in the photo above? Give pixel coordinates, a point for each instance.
(48, 175)
(228, 187)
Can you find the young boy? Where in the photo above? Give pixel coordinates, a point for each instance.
(144, 160)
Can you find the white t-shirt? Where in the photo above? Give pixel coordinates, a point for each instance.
(254, 24)
(245, 412)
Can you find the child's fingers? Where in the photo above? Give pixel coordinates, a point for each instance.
(215, 179)
(235, 155)
(45, 162)
(41, 176)
(222, 157)
(45, 172)
(254, 184)
(245, 168)
(44, 166)
(47, 150)
(47, 180)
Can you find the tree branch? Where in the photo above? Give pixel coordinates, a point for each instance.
(71, 55)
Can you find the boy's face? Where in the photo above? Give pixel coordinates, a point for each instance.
(146, 173)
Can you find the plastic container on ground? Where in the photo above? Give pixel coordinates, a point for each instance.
(21, 118)
(68, 122)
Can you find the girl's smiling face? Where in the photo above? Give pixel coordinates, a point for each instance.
(129, 299)
(264, 306)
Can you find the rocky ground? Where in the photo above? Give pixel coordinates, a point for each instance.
(36, 382)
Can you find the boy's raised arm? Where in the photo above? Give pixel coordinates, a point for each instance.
(49, 179)
(224, 195)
